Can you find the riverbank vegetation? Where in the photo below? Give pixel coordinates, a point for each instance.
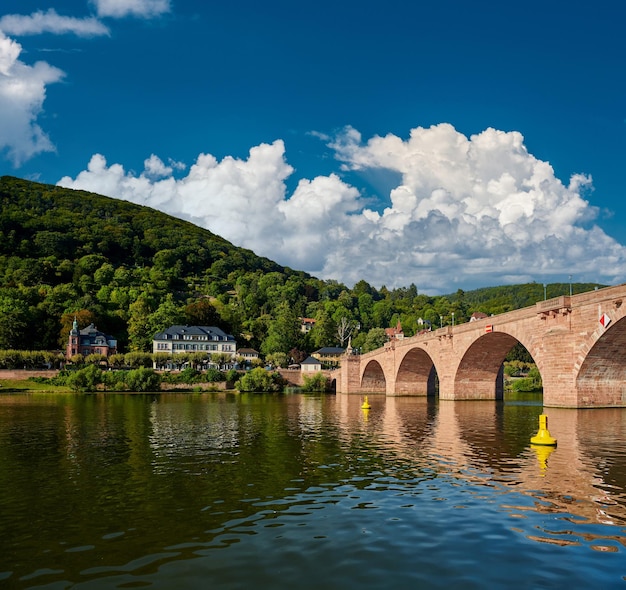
(90, 377)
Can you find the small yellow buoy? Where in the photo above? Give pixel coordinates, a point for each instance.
(543, 435)
(365, 405)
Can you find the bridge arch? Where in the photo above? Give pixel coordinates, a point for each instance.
(601, 379)
(373, 378)
(480, 373)
(417, 374)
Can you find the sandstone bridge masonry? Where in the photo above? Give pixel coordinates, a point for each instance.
(578, 343)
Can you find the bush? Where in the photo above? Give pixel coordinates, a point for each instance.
(189, 376)
(260, 380)
(86, 379)
(143, 379)
(318, 383)
(530, 383)
(232, 376)
(213, 375)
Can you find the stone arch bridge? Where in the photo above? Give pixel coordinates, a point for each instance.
(578, 343)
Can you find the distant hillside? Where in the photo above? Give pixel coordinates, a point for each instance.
(495, 300)
(134, 271)
(40, 220)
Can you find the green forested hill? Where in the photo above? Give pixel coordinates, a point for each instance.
(40, 221)
(133, 271)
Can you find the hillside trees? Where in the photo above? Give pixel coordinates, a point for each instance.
(133, 271)
(15, 316)
(284, 331)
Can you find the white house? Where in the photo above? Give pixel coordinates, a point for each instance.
(179, 339)
(310, 365)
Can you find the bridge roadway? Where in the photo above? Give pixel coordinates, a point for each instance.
(578, 343)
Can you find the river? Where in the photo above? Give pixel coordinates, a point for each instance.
(230, 491)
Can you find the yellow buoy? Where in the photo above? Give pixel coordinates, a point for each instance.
(365, 405)
(543, 435)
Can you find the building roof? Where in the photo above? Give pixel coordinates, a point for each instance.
(212, 332)
(247, 351)
(330, 350)
(91, 335)
(310, 361)
(394, 332)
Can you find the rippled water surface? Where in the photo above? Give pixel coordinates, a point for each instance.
(256, 491)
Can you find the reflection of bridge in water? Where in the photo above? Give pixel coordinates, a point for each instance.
(578, 343)
(469, 441)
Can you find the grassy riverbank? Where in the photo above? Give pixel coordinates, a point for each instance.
(28, 385)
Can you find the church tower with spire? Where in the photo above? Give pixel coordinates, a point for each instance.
(73, 345)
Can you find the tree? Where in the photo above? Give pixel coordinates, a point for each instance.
(202, 313)
(117, 360)
(376, 338)
(277, 359)
(284, 331)
(14, 322)
(140, 334)
(104, 275)
(138, 359)
(161, 359)
(297, 355)
(168, 313)
(345, 329)
(221, 359)
(96, 359)
(324, 330)
(144, 323)
(199, 359)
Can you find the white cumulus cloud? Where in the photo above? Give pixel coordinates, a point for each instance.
(138, 8)
(22, 93)
(51, 22)
(466, 212)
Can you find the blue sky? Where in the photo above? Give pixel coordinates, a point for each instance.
(447, 144)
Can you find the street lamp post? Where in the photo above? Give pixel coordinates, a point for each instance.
(570, 285)
(441, 321)
(545, 291)
(453, 318)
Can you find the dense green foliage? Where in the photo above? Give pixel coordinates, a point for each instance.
(260, 380)
(134, 271)
(318, 383)
(30, 359)
(91, 378)
(532, 381)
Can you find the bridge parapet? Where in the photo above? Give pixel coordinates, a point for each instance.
(556, 305)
